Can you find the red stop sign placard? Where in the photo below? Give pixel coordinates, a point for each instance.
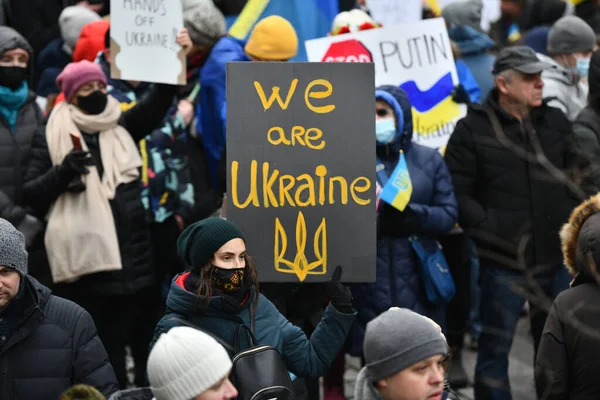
(347, 51)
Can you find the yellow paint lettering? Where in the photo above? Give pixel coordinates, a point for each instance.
(313, 134)
(297, 133)
(318, 95)
(268, 195)
(279, 130)
(321, 171)
(253, 196)
(275, 95)
(309, 186)
(284, 190)
(360, 189)
(343, 189)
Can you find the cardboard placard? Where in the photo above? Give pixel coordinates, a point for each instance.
(394, 12)
(301, 168)
(143, 42)
(418, 58)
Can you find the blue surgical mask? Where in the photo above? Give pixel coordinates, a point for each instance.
(385, 130)
(582, 67)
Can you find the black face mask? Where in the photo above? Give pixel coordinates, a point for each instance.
(12, 77)
(94, 103)
(227, 280)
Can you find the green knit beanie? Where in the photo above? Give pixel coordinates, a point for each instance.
(200, 241)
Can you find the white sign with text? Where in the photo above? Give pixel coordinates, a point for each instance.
(144, 41)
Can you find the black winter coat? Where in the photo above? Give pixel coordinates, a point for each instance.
(586, 134)
(586, 143)
(569, 354)
(508, 201)
(14, 158)
(44, 184)
(54, 347)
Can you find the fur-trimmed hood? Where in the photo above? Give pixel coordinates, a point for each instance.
(580, 237)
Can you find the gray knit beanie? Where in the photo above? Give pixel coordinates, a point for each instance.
(570, 35)
(204, 21)
(71, 22)
(464, 13)
(397, 339)
(12, 248)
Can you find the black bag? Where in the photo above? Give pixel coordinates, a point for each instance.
(258, 373)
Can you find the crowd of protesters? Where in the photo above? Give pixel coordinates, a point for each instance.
(118, 278)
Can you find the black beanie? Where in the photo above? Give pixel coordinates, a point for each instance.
(199, 242)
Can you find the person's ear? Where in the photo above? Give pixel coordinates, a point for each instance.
(502, 85)
(382, 383)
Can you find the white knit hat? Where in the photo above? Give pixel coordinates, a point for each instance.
(184, 363)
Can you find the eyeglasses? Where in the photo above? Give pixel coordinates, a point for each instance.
(381, 112)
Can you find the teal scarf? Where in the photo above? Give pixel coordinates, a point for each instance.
(11, 102)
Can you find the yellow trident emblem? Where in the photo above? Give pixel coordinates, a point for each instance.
(300, 265)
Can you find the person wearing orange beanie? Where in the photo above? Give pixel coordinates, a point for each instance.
(272, 39)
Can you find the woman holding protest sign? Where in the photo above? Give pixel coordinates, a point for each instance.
(84, 169)
(221, 293)
(416, 204)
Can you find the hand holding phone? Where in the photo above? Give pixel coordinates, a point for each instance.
(76, 140)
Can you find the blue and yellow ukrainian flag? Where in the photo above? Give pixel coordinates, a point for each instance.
(398, 189)
(311, 18)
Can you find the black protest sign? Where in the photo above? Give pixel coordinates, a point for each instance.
(301, 168)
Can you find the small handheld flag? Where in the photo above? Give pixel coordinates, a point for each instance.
(398, 189)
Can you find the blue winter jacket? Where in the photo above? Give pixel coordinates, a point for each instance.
(474, 47)
(303, 357)
(435, 213)
(211, 124)
(466, 78)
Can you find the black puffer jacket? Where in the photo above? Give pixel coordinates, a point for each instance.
(508, 201)
(15, 146)
(568, 358)
(44, 185)
(15, 150)
(586, 134)
(54, 347)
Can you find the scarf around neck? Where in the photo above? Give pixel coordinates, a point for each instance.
(11, 102)
(81, 237)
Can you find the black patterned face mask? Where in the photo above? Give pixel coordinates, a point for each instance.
(227, 280)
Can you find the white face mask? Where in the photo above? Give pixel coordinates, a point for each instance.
(583, 66)
(385, 130)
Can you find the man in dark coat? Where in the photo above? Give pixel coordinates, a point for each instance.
(507, 158)
(47, 344)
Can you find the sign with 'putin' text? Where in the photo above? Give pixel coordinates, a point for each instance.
(301, 176)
